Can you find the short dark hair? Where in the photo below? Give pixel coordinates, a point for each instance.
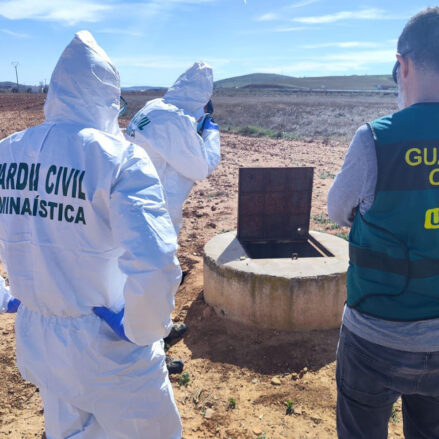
(420, 39)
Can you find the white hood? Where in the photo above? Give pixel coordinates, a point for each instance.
(192, 90)
(85, 87)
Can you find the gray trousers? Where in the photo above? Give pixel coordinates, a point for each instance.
(371, 377)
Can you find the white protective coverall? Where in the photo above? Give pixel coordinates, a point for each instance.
(167, 129)
(91, 229)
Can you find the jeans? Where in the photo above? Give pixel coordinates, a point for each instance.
(371, 377)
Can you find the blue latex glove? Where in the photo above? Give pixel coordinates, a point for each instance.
(114, 320)
(206, 123)
(13, 305)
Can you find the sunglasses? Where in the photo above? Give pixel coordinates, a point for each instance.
(396, 67)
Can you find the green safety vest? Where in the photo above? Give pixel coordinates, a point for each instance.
(394, 248)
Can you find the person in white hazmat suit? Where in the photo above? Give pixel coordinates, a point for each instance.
(181, 139)
(90, 252)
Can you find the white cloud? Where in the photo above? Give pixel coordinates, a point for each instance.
(341, 63)
(193, 2)
(67, 11)
(303, 3)
(189, 2)
(71, 12)
(362, 14)
(155, 6)
(14, 34)
(364, 57)
(270, 16)
(342, 45)
(291, 29)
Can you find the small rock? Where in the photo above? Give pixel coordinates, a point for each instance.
(255, 381)
(213, 208)
(257, 431)
(294, 376)
(242, 258)
(209, 413)
(303, 372)
(276, 381)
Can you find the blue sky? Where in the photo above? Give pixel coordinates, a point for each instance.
(153, 41)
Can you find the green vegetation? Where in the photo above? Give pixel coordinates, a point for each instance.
(232, 404)
(394, 417)
(324, 220)
(343, 235)
(184, 379)
(257, 131)
(326, 174)
(290, 408)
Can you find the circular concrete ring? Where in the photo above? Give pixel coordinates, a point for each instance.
(286, 294)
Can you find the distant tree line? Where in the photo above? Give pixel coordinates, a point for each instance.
(41, 89)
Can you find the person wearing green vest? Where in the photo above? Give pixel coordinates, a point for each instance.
(388, 191)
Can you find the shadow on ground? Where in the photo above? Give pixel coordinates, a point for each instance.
(268, 352)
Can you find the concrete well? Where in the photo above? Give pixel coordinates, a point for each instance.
(286, 294)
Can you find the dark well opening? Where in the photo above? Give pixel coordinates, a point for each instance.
(310, 248)
(274, 207)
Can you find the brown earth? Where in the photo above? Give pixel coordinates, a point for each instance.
(230, 367)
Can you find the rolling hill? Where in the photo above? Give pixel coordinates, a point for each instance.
(353, 82)
(271, 80)
(137, 88)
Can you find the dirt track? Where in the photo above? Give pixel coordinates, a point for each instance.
(224, 360)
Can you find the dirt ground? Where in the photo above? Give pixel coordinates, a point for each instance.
(230, 393)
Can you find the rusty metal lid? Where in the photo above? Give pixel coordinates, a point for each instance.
(274, 204)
